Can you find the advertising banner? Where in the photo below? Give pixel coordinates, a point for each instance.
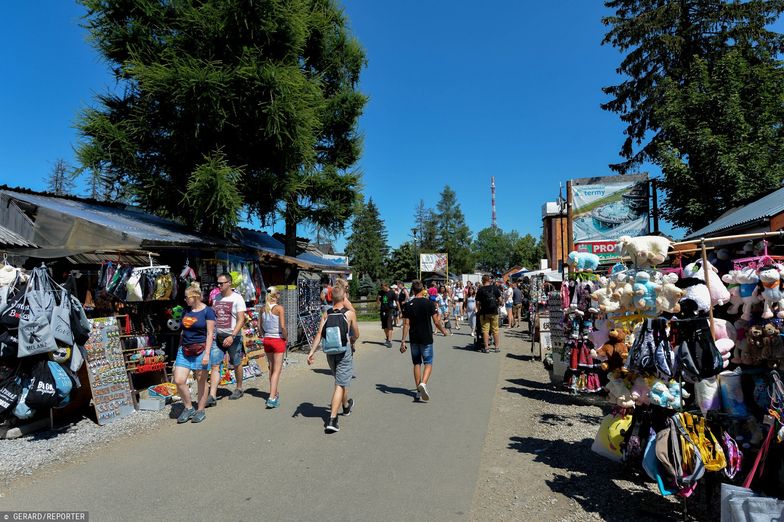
(606, 208)
(603, 249)
(432, 262)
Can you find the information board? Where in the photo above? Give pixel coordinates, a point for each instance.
(106, 371)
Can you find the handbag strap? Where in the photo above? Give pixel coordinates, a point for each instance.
(761, 454)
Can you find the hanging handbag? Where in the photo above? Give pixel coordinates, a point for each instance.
(9, 345)
(35, 332)
(43, 387)
(62, 382)
(80, 326)
(697, 356)
(16, 307)
(22, 410)
(10, 389)
(133, 288)
(61, 319)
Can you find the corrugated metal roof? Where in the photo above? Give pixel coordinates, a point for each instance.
(132, 221)
(9, 238)
(763, 208)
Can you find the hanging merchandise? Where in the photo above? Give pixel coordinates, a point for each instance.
(43, 391)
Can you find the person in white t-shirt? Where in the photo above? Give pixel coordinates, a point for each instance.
(229, 309)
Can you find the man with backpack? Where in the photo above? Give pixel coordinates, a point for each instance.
(417, 314)
(333, 338)
(488, 299)
(387, 304)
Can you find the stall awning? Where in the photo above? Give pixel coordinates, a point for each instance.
(270, 248)
(10, 239)
(66, 226)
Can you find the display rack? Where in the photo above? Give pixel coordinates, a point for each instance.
(109, 380)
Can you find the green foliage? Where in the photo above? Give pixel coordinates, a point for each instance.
(353, 288)
(272, 84)
(495, 250)
(527, 252)
(214, 195)
(367, 246)
(425, 229)
(702, 99)
(403, 262)
(452, 234)
(367, 287)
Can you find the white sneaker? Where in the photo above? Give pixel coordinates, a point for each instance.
(422, 388)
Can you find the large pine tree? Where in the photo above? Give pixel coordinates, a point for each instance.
(227, 106)
(452, 234)
(702, 99)
(367, 246)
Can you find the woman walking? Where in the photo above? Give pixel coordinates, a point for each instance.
(443, 300)
(341, 362)
(470, 297)
(197, 350)
(273, 327)
(457, 299)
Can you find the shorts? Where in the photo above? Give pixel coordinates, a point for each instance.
(193, 362)
(421, 353)
(489, 324)
(386, 320)
(235, 350)
(518, 309)
(342, 366)
(274, 345)
(508, 306)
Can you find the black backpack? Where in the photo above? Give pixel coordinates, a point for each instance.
(334, 336)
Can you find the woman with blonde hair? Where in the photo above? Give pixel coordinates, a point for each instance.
(273, 326)
(195, 354)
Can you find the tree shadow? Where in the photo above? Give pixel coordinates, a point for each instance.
(310, 410)
(584, 468)
(383, 388)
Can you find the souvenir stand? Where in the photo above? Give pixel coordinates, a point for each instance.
(544, 318)
(308, 304)
(691, 358)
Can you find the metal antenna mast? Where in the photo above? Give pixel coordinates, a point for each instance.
(492, 192)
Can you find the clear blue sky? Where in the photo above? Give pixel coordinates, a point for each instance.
(458, 93)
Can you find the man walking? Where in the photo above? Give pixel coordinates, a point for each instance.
(387, 302)
(229, 309)
(517, 304)
(417, 314)
(488, 299)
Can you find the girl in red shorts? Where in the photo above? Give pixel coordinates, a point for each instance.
(273, 326)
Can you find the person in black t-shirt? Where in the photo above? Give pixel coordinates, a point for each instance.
(488, 299)
(387, 303)
(417, 315)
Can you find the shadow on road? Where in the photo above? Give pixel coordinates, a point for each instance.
(520, 357)
(255, 392)
(322, 371)
(383, 388)
(580, 483)
(380, 343)
(310, 410)
(549, 393)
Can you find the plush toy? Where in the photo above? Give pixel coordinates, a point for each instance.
(624, 293)
(724, 335)
(601, 332)
(668, 295)
(660, 394)
(718, 292)
(730, 279)
(752, 354)
(641, 390)
(740, 342)
(581, 301)
(769, 289)
(747, 284)
(645, 251)
(696, 297)
(613, 353)
(721, 259)
(644, 292)
(605, 300)
(619, 392)
(678, 395)
(583, 261)
(772, 345)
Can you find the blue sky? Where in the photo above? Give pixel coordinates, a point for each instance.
(458, 94)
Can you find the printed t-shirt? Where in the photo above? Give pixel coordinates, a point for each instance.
(387, 298)
(419, 312)
(487, 297)
(227, 309)
(194, 325)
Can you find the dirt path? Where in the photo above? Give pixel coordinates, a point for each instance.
(537, 458)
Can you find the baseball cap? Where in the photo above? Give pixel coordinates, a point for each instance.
(394, 287)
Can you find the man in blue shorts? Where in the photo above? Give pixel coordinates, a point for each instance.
(417, 314)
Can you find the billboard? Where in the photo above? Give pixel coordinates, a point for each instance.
(432, 262)
(606, 208)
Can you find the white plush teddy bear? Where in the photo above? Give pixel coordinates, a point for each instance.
(733, 285)
(624, 293)
(645, 251)
(604, 297)
(668, 295)
(748, 279)
(718, 292)
(770, 291)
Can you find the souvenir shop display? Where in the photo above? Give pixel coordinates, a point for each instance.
(251, 336)
(691, 358)
(107, 371)
(43, 330)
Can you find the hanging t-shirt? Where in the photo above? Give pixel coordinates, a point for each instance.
(419, 312)
(227, 309)
(194, 325)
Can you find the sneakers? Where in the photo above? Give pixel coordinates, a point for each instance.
(417, 397)
(273, 403)
(236, 395)
(347, 411)
(199, 416)
(211, 401)
(186, 415)
(496, 349)
(388, 344)
(422, 388)
(332, 425)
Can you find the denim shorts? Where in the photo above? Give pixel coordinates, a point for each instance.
(421, 353)
(193, 362)
(235, 350)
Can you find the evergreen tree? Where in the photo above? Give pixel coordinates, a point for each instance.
(452, 234)
(702, 99)
(403, 262)
(270, 86)
(425, 229)
(367, 246)
(60, 181)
